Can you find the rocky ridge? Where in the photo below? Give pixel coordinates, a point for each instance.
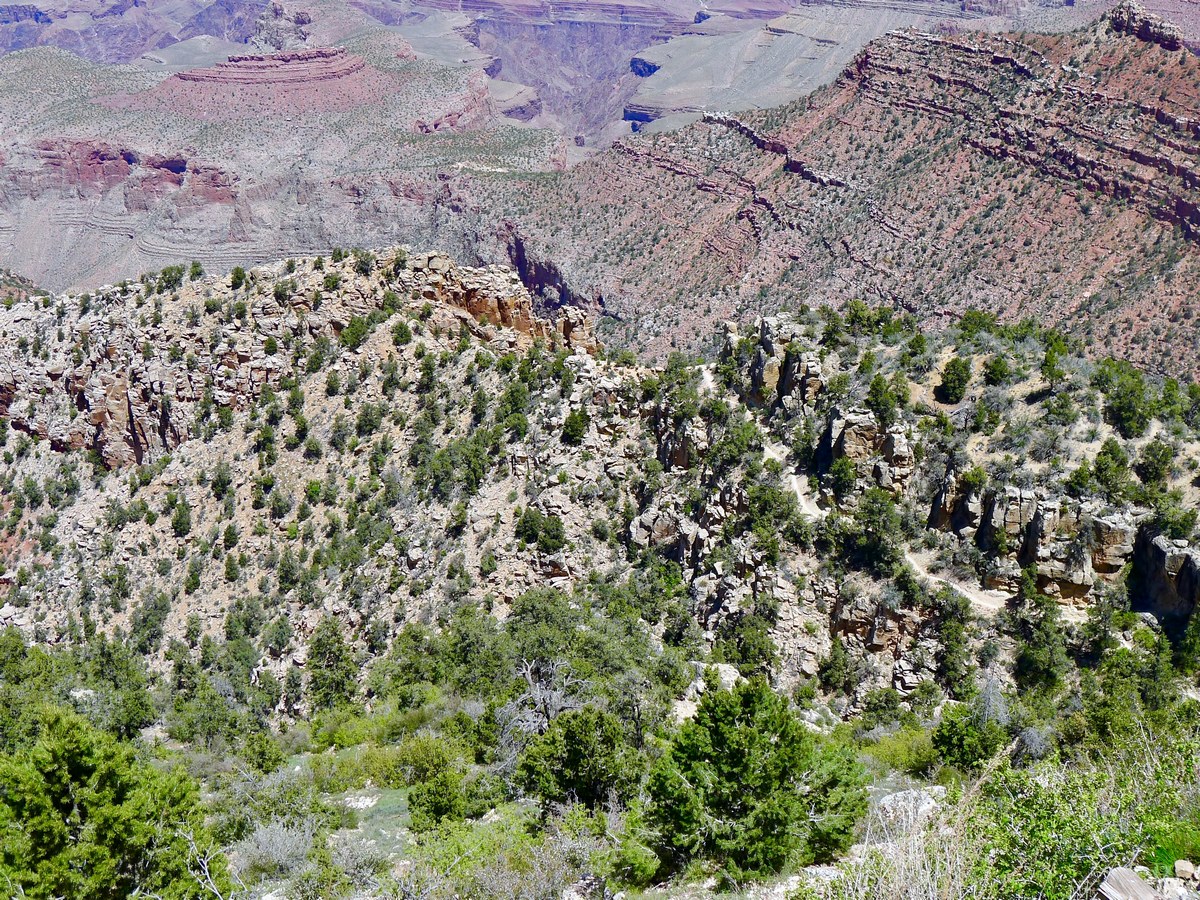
(1077, 547)
(321, 64)
(385, 436)
(116, 387)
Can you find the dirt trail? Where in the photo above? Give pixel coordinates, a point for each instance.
(992, 601)
(986, 602)
(989, 602)
(798, 484)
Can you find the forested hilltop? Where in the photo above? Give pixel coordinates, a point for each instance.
(351, 576)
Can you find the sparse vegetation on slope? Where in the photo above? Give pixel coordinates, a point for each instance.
(416, 603)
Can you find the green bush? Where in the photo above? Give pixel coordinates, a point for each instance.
(843, 477)
(746, 785)
(575, 427)
(582, 757)
(1110, 472)
(547, 532)
(881, 401)
(333, 678)
(997, 371)
(421, 757)
(1130, 406)
(181, 518)
(356, 332)
(955, 378)
(965, 739)
(439, 799)
(81, 815)
(909, 750)
(1041, 660)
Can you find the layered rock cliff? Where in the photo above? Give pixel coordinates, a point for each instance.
(1048, 176)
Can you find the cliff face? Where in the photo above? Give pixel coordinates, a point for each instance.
(1046, 176)
(105, 173)
(120, 32)
(1026, 102)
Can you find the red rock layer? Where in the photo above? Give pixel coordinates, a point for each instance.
(295, 82)
(294, 67)
(1048, 176)
(95, 167)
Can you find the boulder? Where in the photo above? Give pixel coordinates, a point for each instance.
(1125, 884)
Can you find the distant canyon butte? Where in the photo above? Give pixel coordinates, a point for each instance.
(664, 165)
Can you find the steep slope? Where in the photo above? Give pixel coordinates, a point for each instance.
(717, 65)
(388, 437)
(1032, 175)
(120, 32)
(372, 123)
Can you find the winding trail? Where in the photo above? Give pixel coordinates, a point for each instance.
(799, 485)
(990, 601)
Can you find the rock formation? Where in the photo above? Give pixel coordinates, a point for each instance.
(867, 190)
(117, 386)
(293, 67)
(1169, 573)
(1130, 17)
(1073, 544)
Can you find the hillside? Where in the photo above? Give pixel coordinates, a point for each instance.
(1022, 173)
(945, 167)
(372, 504)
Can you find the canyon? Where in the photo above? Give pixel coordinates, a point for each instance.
(1031, 175)
(923, 174)
(494, 448)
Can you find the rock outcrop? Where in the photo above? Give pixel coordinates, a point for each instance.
(772, 145)
(292, 67)
(880, 456)
(784, 368)
(1130, 17)
(1073, 544)
(279, 28)
(1168, 575)
(130, 386)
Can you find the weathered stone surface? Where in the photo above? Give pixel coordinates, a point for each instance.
(1073, 544)
(129, 385)
(883, 457)
(1130, 17)
(1167, 575)
(956, 507)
